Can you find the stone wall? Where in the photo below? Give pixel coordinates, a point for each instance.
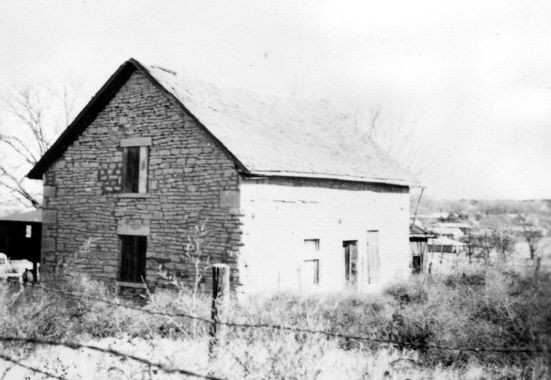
(191, 180)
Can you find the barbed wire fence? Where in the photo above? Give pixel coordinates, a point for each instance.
(213, 325)
(292, 328)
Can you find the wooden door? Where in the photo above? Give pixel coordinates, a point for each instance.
(351, 263)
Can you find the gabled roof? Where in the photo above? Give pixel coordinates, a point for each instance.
(265, 136)
(31, 216)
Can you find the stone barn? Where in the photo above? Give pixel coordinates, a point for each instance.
(291, 195)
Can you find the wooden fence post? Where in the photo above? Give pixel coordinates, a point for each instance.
(220, 298)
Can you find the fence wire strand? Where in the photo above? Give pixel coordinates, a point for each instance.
(108, 350)
(174, 370)
(18, 363)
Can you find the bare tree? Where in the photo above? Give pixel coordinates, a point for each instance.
(193, 251)
(531, 234)
(394, 134)
(479, 246)
(375, 112)
(34, 115)
(503, 243)
(470, 243)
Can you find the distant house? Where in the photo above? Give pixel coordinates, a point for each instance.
(448, 237)
(452, 230)
(444, 244)
(292, 196)
(20, 235)
(449, 232)
(446, 256)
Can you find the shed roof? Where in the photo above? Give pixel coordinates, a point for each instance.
(265, 135)
(418, 232)
(30, 216)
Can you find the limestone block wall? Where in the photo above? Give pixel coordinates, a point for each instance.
(191, 180)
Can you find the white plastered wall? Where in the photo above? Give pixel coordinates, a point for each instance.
(277, 218)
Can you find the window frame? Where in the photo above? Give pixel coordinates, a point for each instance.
(138, 168)
(350, 271)
(312, 256)
(316, 263)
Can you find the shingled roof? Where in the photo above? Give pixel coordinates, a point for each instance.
(265, 135)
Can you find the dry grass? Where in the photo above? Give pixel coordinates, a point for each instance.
(495, 308)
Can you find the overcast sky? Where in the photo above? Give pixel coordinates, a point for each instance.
(467, 82)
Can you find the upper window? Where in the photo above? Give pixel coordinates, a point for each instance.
(134, 169)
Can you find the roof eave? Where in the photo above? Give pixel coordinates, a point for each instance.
(384, 181)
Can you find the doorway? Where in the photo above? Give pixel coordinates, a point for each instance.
(351, 263)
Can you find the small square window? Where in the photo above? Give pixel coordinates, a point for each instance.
(133, 250)
(134, 169)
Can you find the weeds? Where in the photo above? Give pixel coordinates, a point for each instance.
(492, 309)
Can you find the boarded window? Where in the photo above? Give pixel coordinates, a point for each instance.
(373, 259)
(133, 250)
(134, 169)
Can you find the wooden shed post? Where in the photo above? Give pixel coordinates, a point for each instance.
(220, 299)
